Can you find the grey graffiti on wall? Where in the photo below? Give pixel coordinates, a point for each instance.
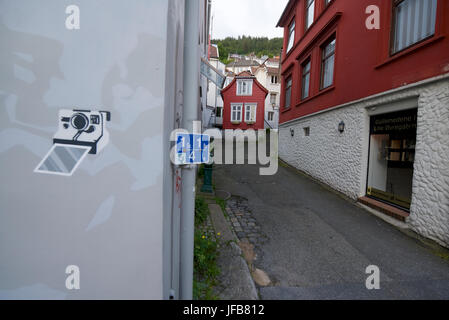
(79, 132)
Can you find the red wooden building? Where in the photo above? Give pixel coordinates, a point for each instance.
(365, 103)
(244, 103)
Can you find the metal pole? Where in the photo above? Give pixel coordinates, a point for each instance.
(190, 114)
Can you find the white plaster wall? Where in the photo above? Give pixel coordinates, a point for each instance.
(429, 214)
(340, 160)
(330, 156)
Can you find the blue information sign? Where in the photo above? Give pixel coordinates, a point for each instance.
(192, 148)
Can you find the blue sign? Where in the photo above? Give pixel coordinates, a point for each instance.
(192, 148)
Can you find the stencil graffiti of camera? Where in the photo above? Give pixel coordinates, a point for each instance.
(80, 132)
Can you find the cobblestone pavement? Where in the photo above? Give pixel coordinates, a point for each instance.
(243, 221)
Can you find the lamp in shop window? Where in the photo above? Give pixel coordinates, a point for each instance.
(341, 127)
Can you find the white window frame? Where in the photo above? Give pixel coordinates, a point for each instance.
(310, 13)
(248, 107)
(291, 35)
(238, 110)
(248, 88)
(413, 22)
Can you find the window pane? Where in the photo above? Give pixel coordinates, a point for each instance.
(287, 99)
(305, 86)
(305, 80)
(306, 67)
(291, 36)
(330, 48)
(328, 72)
(310, 13)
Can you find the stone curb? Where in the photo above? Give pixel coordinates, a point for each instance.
(238, 282)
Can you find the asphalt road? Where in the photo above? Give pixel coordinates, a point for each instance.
(319, 244)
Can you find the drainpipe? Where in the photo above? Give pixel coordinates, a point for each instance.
(190, 114)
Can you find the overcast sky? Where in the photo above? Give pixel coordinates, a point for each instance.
(233, 18)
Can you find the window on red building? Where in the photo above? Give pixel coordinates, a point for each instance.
(310, 13)
(305, 83)
(244, 87)
(288, 92)
(236, 112)
(250, 113)
(413, 21)
(327, 63)
(291, 35)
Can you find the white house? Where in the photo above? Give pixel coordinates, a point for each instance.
(268, 75)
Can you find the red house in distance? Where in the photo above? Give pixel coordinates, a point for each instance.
(244, 103)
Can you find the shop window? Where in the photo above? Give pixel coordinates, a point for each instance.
(391, 157)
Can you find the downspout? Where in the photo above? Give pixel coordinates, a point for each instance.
(190, 114)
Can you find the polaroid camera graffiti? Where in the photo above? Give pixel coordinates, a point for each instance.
(80, 132)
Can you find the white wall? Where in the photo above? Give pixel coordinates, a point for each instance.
(107, 218)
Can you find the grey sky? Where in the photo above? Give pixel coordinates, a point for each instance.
(246, 17)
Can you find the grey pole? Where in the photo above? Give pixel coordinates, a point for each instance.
(190, 114)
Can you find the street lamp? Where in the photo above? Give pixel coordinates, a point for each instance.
(341, 127)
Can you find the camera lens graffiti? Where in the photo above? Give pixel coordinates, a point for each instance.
(80, 132)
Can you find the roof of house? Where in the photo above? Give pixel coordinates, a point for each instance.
(274, 59)
(254, 70)
(214, 52)
(273, 71)
(243, 63)
(244, 74)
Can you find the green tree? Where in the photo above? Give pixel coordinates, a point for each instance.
(245, 45)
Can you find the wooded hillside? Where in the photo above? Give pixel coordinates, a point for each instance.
(246, 45)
